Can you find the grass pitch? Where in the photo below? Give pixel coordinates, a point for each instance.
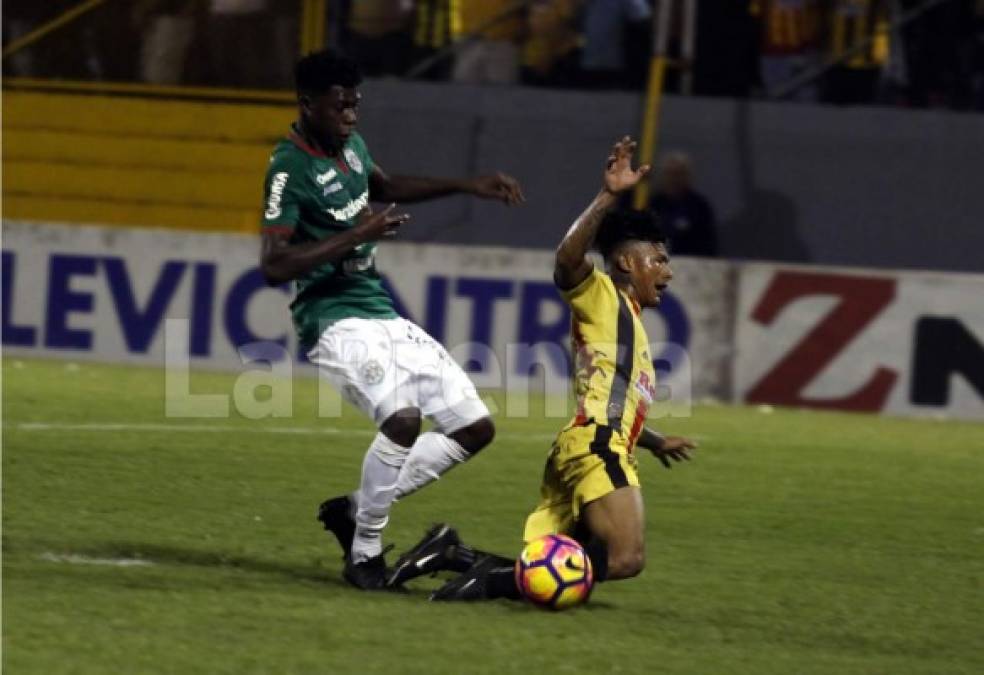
(796, 542)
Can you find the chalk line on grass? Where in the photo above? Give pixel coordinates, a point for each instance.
(76, 559)
(230, 428)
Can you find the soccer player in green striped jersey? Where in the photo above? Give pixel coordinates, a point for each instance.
(319, 232)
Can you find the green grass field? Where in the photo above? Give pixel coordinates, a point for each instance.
(796, 542)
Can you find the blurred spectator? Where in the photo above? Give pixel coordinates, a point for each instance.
(743, 47)
(378, 35)
(237, 43)
(685, 214)
(858, 35)
(432, 33)
(605, 23)
(493, 56)
(550, 53)
(939, 54)
(895, 72)
(791, 33)
(114, 48)
(727, 54)
(167, 28)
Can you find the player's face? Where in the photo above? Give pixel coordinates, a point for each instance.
(333, 116)
(650, 272)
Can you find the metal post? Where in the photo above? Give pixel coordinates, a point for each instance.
(318, 29)
(305, 26)
(654, 96)
(312, 26)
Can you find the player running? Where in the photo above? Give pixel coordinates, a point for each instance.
(318, 231)
(590, 485)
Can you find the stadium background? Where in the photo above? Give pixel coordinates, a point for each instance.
(849, 274)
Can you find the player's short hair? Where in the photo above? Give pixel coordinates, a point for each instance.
(318, 72)
(624, 225)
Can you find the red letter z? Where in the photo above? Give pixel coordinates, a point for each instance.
(861, 300)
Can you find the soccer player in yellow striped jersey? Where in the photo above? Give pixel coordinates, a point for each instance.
(590, 485)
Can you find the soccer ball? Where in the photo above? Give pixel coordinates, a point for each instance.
(554, 572)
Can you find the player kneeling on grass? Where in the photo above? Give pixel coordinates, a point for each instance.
(590, 486)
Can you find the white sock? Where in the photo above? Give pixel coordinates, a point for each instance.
(380, 471)
(430, 457)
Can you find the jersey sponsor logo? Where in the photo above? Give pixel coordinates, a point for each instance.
(372, 372)
(350, 210)
(277, 186)
(353, 160)
(326, 177)
(332, 189)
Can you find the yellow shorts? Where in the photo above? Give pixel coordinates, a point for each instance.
(585, 464)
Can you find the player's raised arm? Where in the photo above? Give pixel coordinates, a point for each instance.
(499, 186)
(281, 261)
(572, 265)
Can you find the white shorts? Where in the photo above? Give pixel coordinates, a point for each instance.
(385, 365)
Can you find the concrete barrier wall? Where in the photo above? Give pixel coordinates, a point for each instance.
(859, 186)
(851, 186)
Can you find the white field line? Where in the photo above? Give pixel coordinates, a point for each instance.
(74, 559)
(203, 428)
(231, 428)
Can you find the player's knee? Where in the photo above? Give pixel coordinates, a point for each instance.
(626, 564)
(476, 436)
(402, 427)
(484, 432)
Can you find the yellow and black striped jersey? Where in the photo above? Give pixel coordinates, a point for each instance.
(614, 378)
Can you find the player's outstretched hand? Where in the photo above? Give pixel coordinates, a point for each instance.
(619, 174)
(499, 186)
(675, 448)
(382, 225)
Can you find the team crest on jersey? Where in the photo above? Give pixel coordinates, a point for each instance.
(372, 372)
(353, 160)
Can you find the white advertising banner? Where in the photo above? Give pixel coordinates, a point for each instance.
(107, 294)
(906, 343)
